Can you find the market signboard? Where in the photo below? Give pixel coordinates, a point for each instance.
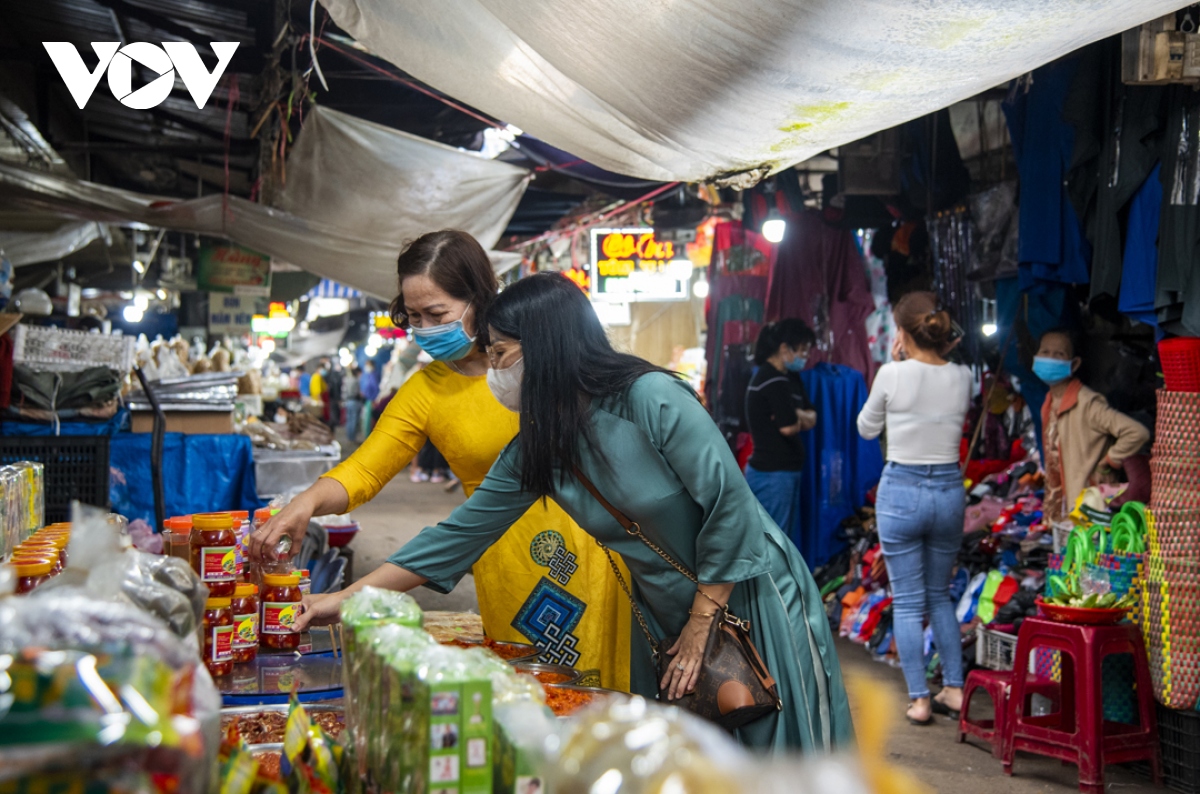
(229, 314)
(633, 265)
(233, 269)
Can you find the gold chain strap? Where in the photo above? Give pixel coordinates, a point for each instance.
(641, 619)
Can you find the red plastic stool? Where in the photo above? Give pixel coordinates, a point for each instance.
(1078, 733)
(998, 685)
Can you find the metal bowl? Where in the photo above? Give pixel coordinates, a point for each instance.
(533, 668)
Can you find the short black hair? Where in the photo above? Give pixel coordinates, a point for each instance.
(790, 332)
(1070, 334)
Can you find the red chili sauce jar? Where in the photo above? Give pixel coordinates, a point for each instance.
(280, 608)
(245, 623)
(218, 636)
(214, 553)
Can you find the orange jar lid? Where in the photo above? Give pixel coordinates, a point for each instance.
(263, 513)
(282, 580)
(207, 521)
(39, 543)
(35, 555)
(180, 524)
(217, 603)
(245, 590)
(26, 567)
(240, 515)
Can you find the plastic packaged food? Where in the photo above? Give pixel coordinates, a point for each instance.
(218, 636)
(280, 598)
(241, 530)
(245, 623)
(31, 573)
(305, 582)
(213, 552)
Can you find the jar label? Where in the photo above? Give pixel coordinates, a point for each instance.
(218, 564)
(222, 644)
(245, 633)
(280, 618)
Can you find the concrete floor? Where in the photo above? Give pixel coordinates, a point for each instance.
(930, 753)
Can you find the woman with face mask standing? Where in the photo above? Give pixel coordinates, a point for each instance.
(546, 582)
(778, 411)
(597, 424)
(922, 400)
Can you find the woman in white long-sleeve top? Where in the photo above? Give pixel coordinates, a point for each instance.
(922, 400)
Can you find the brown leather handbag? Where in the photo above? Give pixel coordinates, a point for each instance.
(734, 686)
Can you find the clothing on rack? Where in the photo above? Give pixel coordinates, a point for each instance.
(840, 467)
(819, 277)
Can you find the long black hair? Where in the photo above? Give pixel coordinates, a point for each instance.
(568, 359)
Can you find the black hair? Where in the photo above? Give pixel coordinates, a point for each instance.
(791, 332)
(1070, 334)
(568, 359)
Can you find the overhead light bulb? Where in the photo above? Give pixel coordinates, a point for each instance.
(700, 287)
(267, 345)
(141, 301)
(774, 227)
(132, 314)
(375, 341)
(989, 329)
(139, 266)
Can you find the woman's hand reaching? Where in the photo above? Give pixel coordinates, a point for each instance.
(321, 610)
(686, 655)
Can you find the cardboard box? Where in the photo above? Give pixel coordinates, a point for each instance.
(191, 422)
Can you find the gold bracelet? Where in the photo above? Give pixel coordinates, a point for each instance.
(710, 598)
(702, 614)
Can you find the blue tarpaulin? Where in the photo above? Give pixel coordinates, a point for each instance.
(201, 473)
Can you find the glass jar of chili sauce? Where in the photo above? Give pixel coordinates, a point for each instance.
(32, 572)
(218, 636)
(214, 553)
(245, 623)
(280, 608)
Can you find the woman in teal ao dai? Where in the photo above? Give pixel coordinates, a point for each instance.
(642, 437)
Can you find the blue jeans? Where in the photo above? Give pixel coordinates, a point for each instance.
(779, 493)
(920, 511)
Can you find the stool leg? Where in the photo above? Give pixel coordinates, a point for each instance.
(1000, 704)
(1089, 699)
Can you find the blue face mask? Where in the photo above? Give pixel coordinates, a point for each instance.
(1051, 370)
(447, 342)
(796, 364)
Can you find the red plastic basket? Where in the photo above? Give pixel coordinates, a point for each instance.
(1180, 359)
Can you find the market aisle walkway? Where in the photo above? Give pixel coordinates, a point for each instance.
(931, 753)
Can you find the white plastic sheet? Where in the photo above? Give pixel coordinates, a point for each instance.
(27, 248)
(357, 192)
(373, 182)
(707, 89)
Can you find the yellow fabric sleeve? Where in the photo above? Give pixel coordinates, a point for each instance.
(397, 438)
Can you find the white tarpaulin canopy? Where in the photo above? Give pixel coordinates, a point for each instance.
(704, 89)
(357, 192)
(374, 182)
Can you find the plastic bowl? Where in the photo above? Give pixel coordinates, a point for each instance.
(341, 536)
(1081, 615)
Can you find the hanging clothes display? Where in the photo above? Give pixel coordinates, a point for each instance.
(1178, 289)
(1139, 271)
(840, 466)
(737, 278)
(1052, 246)
(818, 276)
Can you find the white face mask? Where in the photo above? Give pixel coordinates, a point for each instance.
(506, 384)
